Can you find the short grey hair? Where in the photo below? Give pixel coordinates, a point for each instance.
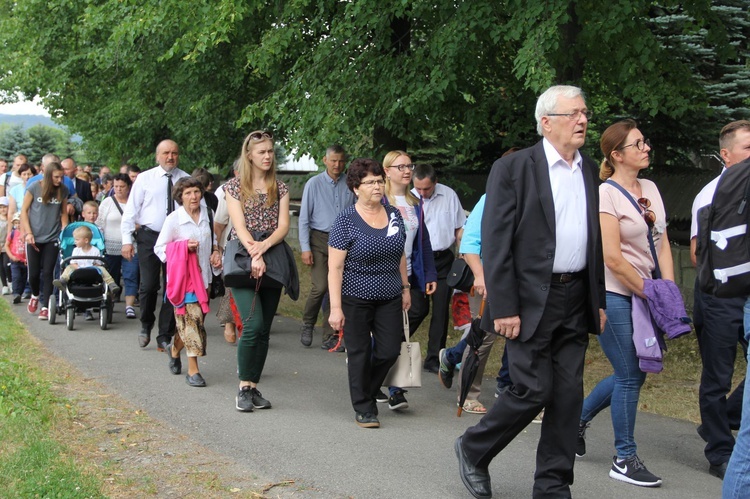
(50, 158)
(547, 102)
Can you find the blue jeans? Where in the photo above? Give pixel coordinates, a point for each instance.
(737, 477)
(455, 353)
(18, 277)
(128, 270)
(622, 389)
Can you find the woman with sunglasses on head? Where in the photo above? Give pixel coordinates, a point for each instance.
(420, 265)
(368, 286)
(256, 202)
(628, 262)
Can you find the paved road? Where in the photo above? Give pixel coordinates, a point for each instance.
(310, 435)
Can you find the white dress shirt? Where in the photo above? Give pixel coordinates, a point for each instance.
(179, 226)
(147, 204)
(571, 223)
(443, 216)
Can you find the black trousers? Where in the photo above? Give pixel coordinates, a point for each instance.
(547, 372)
(151, 269)
(41, 269)
(441, 299)
(718, 324)
(370, 358)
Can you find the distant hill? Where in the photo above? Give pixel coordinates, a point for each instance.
(27, 120)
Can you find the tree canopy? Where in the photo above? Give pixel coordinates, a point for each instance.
(454, 81)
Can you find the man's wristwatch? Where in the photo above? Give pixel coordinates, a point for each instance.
(405, 286)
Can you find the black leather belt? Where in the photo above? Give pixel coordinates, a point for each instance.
(321, 231)
(438, 254)
(566, 278)
(148, 230)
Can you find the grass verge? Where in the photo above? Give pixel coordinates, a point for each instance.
(66, 436)
(32, 462)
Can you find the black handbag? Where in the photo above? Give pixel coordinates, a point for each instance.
(237, 265)
(460, 276)
(217, 288)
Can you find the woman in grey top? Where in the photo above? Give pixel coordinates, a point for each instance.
(43, 216)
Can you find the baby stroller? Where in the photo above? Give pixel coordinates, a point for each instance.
(85, 289)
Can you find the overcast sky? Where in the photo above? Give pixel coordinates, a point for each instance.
(25, 107)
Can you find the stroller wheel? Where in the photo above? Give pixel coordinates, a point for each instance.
(104, 318)
(71, 317)
(52, 308)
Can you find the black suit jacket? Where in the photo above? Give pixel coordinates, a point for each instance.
(83, 189)
(518, 240)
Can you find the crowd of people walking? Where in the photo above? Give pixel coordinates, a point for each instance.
(565, 256)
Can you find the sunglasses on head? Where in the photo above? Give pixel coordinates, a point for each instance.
(260, 136)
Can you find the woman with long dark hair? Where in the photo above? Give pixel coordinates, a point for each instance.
(43, 216)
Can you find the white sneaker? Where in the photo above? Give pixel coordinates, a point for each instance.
(6, 290)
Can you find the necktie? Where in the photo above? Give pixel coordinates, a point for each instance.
(170, 203)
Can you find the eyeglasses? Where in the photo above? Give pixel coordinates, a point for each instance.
(648, 215)
(370, 183)
(573, 115)
(261, 136)
(401, 168)
(639, 144)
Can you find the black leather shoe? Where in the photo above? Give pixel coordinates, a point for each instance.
(175, 364)
(195, 380)
(476, 480)
(718, 470)
(144, 338)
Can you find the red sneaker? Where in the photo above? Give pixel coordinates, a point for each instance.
(33, 304)
(44, 314)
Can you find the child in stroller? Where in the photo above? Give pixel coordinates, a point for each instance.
(85, 281)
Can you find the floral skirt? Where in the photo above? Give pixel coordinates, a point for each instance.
(224, 313)
(191, 330)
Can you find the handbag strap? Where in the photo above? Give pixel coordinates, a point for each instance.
(657, 271)
(117, 205)
(406, 326)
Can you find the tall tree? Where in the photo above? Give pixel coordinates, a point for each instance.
(14, 141)
(455, 78)
(43, 141)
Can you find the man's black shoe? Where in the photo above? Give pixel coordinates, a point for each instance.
(434, 369)
(718, 470)
(144, 337)
(175, 364)
(476, 480)
(195, 380)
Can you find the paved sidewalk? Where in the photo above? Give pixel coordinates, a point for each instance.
(310, 435)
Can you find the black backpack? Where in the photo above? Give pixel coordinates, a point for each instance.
(723, 246)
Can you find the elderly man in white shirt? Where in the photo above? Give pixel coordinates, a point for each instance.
(148, 206)
(444, 217)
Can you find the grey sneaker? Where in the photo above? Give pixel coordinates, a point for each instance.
(367, 420)
(307, 334)
(244, 400)
(258, 401)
